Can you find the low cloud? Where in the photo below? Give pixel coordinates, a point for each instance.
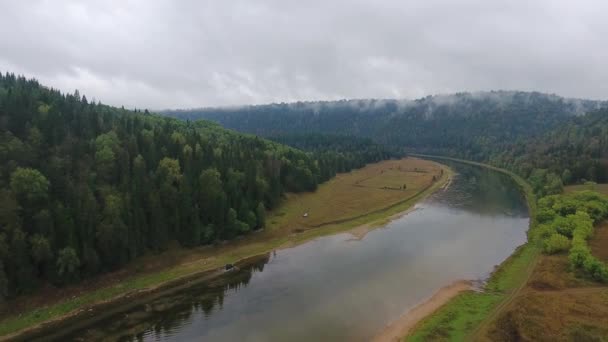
(161, 54)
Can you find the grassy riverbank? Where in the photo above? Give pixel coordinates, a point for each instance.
(365, 197)
(559, 302)
(466, 315)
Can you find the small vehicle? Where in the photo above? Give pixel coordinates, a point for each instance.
(228, 267)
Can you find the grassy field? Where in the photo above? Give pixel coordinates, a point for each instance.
(362, 197)
(601, 188)
(556, 304)
(465, 317)
(356, 194)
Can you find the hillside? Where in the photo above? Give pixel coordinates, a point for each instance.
(577, 150)
(468, 125)
(85, 187)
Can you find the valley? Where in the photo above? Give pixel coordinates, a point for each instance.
(350, 207)
(337, 286)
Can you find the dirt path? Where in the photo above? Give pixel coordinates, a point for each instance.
(401, 327)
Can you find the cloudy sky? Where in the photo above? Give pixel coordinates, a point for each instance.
(161, 54)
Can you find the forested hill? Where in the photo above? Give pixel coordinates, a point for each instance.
(86, 187)
(469, 125)
(576, 150)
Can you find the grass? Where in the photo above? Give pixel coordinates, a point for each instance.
(462, 316)
(466, 316)
(355, 194)
(557, 304)
(339, 199)
(601, 188)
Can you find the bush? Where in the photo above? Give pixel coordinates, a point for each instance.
(596, 269)
(542, 231)
(578, 255)
(564, 225)
(573, 216)
(556, 243)
(566, 206)
(596, 210)
(546, 215)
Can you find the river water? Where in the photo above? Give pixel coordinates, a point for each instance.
(338, 287)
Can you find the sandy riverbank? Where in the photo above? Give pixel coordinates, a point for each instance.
(402, 325)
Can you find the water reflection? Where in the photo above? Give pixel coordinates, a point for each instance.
(169, 313)
(478, 191)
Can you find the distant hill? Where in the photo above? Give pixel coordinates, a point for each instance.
(576, 149)
(468, 125)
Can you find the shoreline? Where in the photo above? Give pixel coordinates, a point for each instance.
(402, 326)
(505, 280)
(126, 298)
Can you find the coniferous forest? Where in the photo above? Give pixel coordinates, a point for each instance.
(85, 187)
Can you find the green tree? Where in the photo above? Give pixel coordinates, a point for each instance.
(68, 263)
(29, 185)
(3, 284)
(251, 220)
(112, 232)
(41, 249)
(566, 176)
(556, 243)
(261, 215)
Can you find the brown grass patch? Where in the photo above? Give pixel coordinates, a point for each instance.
(599, 243)
(557, 304)
(601, 188)
(356, 193)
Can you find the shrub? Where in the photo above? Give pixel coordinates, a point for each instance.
(543, 231)
(564, 225)
(566, 206)
(556, 243)
(546, 215)
(596, 210)
(578, 255)
(596, 269)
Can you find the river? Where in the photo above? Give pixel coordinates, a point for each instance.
(338, 288)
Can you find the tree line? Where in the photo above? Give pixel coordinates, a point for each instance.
(86, 187)
(337, 153)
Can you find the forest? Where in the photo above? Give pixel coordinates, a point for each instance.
(467, 125)
(576, 150)
(337, 153)
(86, 187)
(547, 139)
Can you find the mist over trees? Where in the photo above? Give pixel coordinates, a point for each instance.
(470, 125)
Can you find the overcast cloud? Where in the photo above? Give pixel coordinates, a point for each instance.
(161, 54)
